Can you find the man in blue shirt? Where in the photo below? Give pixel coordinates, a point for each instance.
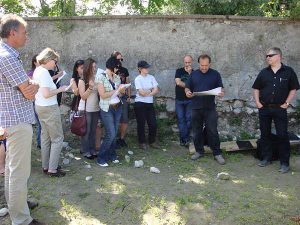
(204, 108)
(16, 116)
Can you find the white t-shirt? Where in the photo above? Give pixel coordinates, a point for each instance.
(146, 83)
(43, 78)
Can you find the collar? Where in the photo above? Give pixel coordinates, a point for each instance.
(10, 49)
(283, 67)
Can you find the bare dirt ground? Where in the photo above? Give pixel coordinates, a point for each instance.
(185, 192)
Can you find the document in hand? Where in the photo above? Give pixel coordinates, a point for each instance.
(215, 91)
(59, 79)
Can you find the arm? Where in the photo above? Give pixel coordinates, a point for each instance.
(129, 88)
(84, 94)
(28, 90)
(104, 94)
(291, 95)
(179, 82)
(188, 93)
(48, 94)
(256, 97)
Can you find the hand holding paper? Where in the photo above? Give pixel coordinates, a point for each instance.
(215, 91)
(61, 77)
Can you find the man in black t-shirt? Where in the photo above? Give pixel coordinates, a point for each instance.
(204, 108)
(273, 90)
(183, 103)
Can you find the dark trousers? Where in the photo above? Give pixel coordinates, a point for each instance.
(88, 141)
(145, 112)
(210, 119)
(279, 116)
(184, 115)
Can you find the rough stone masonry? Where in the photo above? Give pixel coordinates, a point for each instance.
(237, 46)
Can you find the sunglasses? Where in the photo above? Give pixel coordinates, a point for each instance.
(55, 61)
(270, 55)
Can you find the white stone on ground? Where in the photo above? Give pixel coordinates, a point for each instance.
(154, 170)
(66, 161)
(138, 163)
(223, 176)
(88, 178)
(3, 212)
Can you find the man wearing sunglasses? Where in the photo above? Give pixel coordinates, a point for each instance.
(273, 90)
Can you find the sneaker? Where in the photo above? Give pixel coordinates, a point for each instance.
(143, 146)
(196, 155)
(32, 205)
(36, 222)
(103, 164)
(115, 161)
(220, 159)
(154, 145)
(264, 163)
(284, 169)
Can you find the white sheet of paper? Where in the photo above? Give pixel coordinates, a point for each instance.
(59, 79)
(67, 88)
(99, 72)
(214, 91)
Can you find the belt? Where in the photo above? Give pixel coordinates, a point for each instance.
(272, 105)
(115, 106)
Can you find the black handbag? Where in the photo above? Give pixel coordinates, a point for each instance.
(79, 123)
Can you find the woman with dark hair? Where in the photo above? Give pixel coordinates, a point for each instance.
(76, 76)
(90, 103)
(34, 64)
(109, 87)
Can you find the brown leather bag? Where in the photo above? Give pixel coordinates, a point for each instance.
(79, 124)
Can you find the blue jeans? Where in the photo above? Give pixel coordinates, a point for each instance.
(184, 117)
(88, 141)
(110, 120)
(39, 128)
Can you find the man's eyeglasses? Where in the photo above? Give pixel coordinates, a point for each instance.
(270, 55)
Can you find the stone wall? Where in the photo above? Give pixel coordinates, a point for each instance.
(237, 46)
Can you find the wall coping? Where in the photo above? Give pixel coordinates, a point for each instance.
(169, 17)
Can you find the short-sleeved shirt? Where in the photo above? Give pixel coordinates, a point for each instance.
(104, 103)
(273, 87)
(43, 78)
(179, 91)
(14, 107)
(199, 81)
(147, 83)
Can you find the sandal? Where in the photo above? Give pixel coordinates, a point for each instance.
(46, 170)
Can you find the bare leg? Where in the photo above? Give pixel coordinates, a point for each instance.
(123, 128)
(98, 137)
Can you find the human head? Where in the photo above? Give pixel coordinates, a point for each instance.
(89, 69)
(273, 56)
(78, 69)
(48, 58)
(113, 64)
(187, 61)
(34, 62)
(13, 30)
(143, 67)
(117, 55)
(204, 63)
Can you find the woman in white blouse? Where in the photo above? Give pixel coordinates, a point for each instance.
(48, 113)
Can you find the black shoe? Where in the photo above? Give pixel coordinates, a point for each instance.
(36, 222)
(59, 173)
(284, 169)
(32, 205)
(38, 146)
(123, 143)
(46, 170)
(264, 163)
(90, 157)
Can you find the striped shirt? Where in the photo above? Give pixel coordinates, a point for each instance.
(104, 103)
(14, 107)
